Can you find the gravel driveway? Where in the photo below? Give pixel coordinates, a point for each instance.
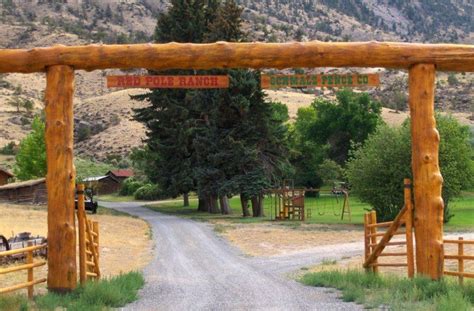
(193, 269)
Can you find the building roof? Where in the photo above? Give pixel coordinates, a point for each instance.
(6, 172)
(99, 178)
(23, 184)
(121, 173)
(96, 178)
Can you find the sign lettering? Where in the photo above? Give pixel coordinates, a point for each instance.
(320, 80)
(168, 82)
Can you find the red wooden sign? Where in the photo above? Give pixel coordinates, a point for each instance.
(320, 80)
(169, 82)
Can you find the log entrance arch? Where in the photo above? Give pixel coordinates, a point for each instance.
(60, 62)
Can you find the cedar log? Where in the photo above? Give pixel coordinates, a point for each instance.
(446, 57)
(427, 179)
(62, 274)
(81, 222)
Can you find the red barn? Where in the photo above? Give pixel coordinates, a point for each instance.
(120, 175)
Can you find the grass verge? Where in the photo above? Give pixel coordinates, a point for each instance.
(106, 294)
(375, 291)
(115, 198)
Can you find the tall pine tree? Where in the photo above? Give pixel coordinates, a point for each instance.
(218, 143)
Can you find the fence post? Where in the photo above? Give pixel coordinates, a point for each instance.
(373, 238)
(409, 228)
(29, 260)
(366, 237)
(461, 261)
(82, 233)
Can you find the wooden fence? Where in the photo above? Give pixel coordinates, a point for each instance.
(88, 242)
(29, 266)
(460, 257)
(374, 248)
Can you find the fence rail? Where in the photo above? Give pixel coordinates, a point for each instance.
(460, 257)
(30, 265)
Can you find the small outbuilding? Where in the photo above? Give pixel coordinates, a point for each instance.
(103, 184)
(4, 176)
(121, 175)
(26, 192)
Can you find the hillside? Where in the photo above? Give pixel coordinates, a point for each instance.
(103, 117)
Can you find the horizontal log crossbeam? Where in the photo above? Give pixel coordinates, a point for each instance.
(446, 57)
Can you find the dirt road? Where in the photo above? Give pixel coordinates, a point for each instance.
(193, 269)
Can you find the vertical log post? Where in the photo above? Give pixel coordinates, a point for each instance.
(409, 228)
(461, 261)
(427, 177)
(62, 274)
(366, 237)
(373, 238)
(29, 261)
(81, 216)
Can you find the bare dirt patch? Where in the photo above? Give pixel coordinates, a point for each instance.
(124, 241)
(277, 239)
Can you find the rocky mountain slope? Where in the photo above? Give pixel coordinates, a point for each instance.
(103, 116)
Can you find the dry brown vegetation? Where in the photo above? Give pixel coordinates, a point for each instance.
(124, 241)
(278, 239)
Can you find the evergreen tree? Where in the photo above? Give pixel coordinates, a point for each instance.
(217, 142)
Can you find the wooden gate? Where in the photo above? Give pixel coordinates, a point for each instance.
(88, 241)
(374, 248)
(60, 63)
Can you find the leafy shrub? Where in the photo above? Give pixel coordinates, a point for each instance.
(377, 169)
(83, 133)
(9, 149)
(31, 156)
(330, 171)
(130, 186)
(148, 192)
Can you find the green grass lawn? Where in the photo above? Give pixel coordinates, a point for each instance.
(395, 293)
(324, 210)
(463, 210)
(115, 198)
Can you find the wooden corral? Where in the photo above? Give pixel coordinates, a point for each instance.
(25, 192)
(60, 62)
